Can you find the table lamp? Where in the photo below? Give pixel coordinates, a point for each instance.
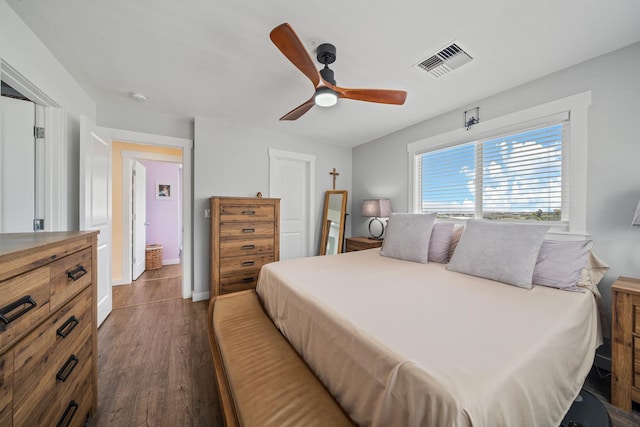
(376, 208)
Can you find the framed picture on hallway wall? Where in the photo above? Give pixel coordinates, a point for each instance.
(163, 191)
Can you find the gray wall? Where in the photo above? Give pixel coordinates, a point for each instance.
(233, 160)
(380, 166)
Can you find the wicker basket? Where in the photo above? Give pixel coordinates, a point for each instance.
(153, 257)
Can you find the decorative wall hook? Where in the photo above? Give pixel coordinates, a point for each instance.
(471, 117)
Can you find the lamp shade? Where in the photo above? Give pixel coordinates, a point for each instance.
(376, 208)
(636, 217)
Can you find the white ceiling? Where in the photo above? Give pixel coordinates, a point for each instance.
(214, 58)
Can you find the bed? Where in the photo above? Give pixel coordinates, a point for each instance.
(415, 344)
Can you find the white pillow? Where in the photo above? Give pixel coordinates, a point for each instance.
(560, 263)
(505, 252)
(407, 236)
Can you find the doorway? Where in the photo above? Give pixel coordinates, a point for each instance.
(49, 167)
(183, 200)
(163, 217)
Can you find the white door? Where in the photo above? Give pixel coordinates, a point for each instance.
(290, 180)
(139, 218)
(95, 203)
(17, 165)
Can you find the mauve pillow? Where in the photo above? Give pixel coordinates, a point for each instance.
(560, 263)
(407, 236)
(440, 241)
(505, 252)
(458, 229)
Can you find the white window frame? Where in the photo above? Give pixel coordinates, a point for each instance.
(576, 106)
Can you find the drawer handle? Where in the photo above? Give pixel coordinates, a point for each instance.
(76, 273)
(68, 415)
(248, 247)
(248, 230)
(247, 280)
(5, 311)
(68, 367)
(69, 325)
(248, 263)
(248, 212)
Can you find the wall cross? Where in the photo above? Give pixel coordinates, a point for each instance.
(335, 174)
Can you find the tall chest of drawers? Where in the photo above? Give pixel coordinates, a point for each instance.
(48, 336)
(245, 235)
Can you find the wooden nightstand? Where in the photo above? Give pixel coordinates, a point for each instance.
(625, 342)
(360, 243)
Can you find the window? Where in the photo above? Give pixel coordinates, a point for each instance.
(530, 165)
(518, 176)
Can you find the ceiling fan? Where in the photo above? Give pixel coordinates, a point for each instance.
(326, 92)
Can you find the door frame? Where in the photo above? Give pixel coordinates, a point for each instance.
(186, 145)
(310, 160)
(55, 158)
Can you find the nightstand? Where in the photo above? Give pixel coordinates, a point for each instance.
(361, 243)
(625, 342)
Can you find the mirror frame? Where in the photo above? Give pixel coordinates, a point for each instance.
(325, 221)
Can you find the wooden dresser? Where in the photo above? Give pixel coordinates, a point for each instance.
(48, 335)
(245, 235)
(625, 342)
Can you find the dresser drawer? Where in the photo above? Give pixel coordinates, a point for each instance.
(239, 282)
(246, 212)
(42, 354)
(6, 386)
(69, 276)
(635, 301)
(635, 363)
(23, 303)
(48, 407)
(74, 405)
(243, 264)
(246, 229)
(240, 247)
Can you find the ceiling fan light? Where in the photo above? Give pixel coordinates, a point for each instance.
(325, 97)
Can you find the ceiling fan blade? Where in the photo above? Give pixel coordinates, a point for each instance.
(299, 110)
(383, 96)
(286, 39)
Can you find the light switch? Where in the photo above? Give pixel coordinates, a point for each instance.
(207, 213)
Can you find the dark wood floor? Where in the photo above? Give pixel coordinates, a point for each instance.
(599, 384)
(154, 364)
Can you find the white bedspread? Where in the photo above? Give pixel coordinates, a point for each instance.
(400, 343)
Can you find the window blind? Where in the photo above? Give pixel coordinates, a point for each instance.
(517, 176)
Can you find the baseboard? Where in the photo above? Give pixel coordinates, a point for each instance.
(200, 296)
(170, 261)
(120, 282)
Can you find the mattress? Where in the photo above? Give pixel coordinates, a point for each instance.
(404, 343)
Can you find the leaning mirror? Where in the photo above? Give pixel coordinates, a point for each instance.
(333, 222)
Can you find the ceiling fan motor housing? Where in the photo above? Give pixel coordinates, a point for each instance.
(326, 53)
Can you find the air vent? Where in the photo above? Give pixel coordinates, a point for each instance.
(448, 59)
